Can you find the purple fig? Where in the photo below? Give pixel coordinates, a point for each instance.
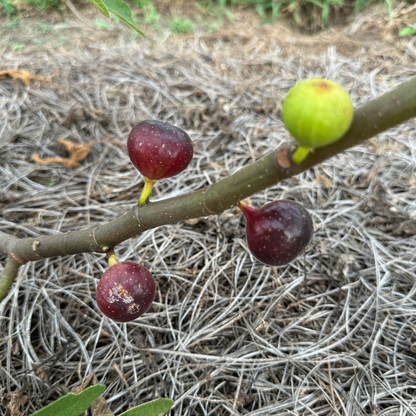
(277, 232)
(125, 291)
(159, 150)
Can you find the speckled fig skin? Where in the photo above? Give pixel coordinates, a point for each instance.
(159, 150)
(125, 291)
(277, 232)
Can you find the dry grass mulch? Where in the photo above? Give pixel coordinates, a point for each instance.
(334, 332)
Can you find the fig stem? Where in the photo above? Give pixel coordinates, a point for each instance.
(112, 260)
(300, 154)
(147, 190)
(247, 209)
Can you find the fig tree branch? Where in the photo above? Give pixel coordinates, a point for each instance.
(8, 275)
(375, 116)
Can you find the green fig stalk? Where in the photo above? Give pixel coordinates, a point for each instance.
(147, 190)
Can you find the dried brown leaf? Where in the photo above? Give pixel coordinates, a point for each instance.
(78, 152)
(25, 76)
(16, 400)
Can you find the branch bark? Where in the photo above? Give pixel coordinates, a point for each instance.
(376, 116)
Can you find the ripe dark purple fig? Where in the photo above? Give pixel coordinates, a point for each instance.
(159, 150)
(277, 232)
(125, 291)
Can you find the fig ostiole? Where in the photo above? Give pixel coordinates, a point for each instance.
(316, 112)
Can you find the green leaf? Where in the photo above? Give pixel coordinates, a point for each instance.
(276, 9)
(101, 23)
(325, 14)
(229, 14)
(72, 404)
(407, 31)
(389, 7)
(122, 10)
(101, 7)
(261, 9)
(318, 3)
(153, 408)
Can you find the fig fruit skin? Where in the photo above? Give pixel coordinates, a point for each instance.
(159, 150)
(125, 291)
(278, 231)
(317, 112)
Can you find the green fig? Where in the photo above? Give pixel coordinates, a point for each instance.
(316, 112)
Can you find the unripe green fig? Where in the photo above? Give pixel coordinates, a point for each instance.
(317, 112)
